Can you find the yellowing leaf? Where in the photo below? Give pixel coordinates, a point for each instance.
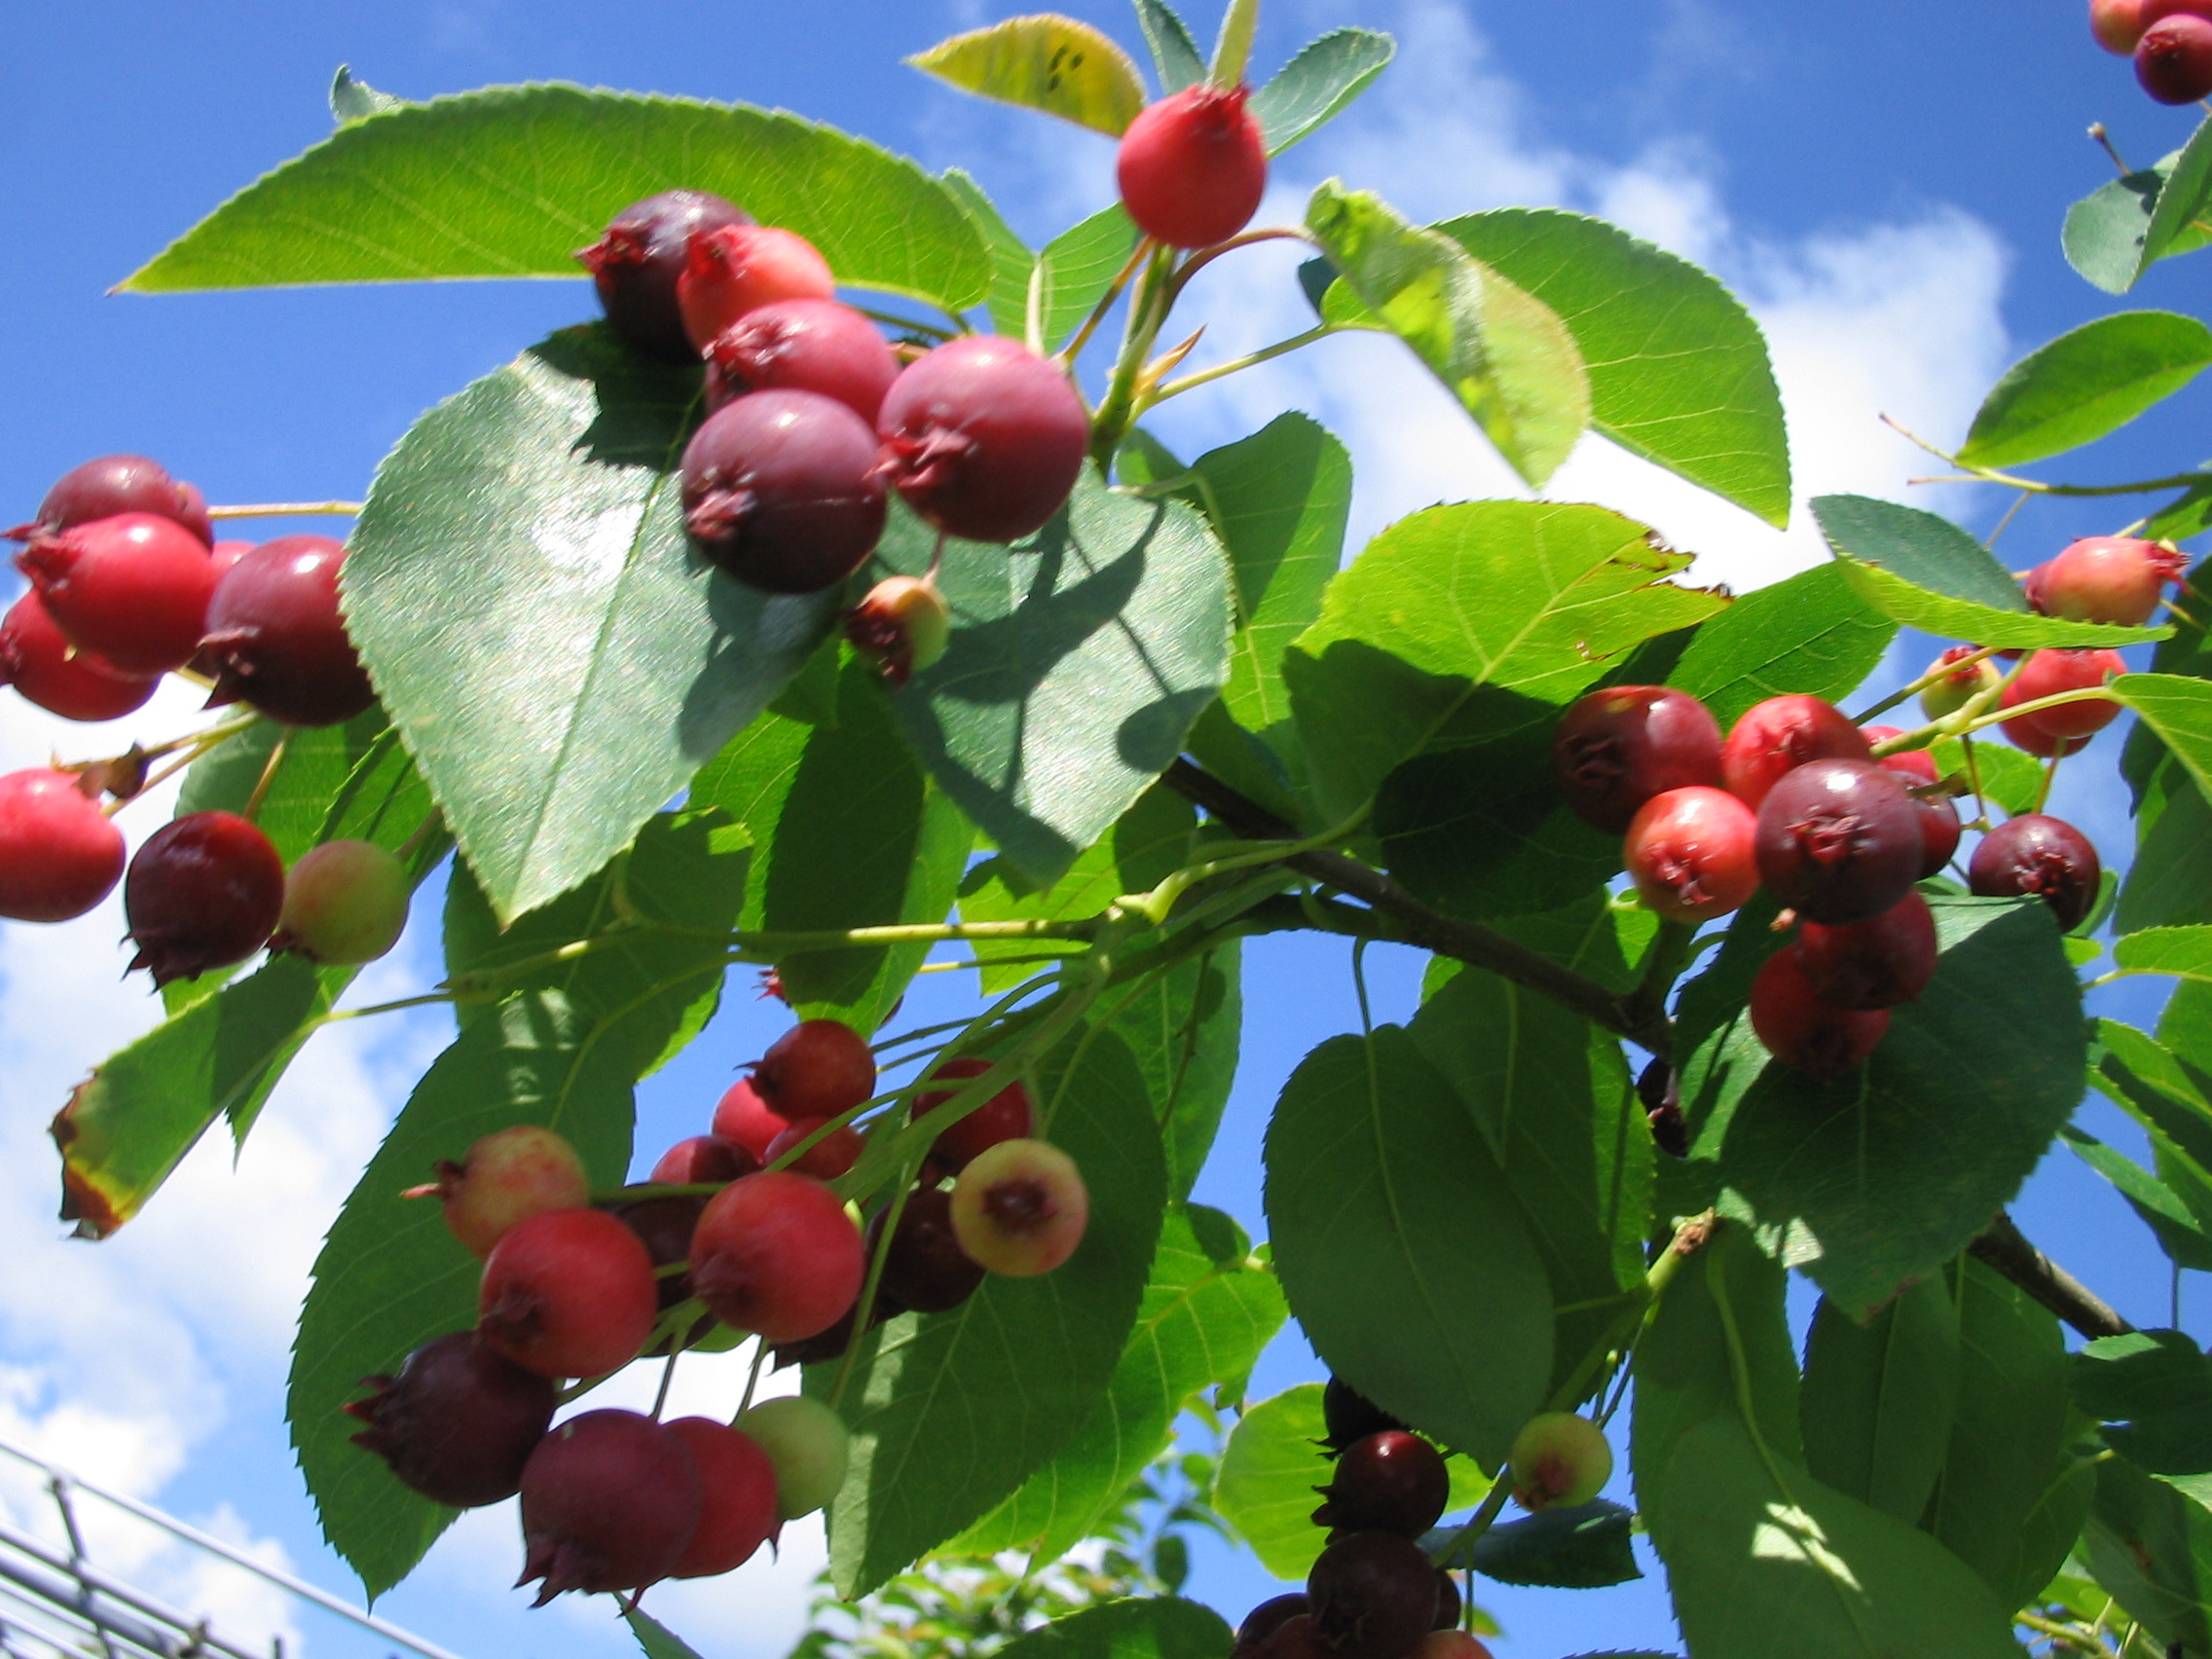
(1048, 62)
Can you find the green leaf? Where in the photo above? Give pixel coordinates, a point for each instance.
(520, 587)
(1877, 1398)
(1007, 301)
(1945, 1121)
(1395, 1233)
(1501, 351)
(1553, 1100)
(1319, 84)
(2001, 774)
(1811, 633)
(2178, 220)
(2178, 708)
(2152, 1548)
(951, 1413)
(1270, 1466)
(1045, 62)
(2162, 1087)
(1175, 56)
(1153, 1627)
(1530, 597)
(352, 99)
(1678, 371)
(1074, 272)
(2086, 383)
(1584, 1548)
(847, 832)
(2184, 952)
(1762, 1558)
(1202, 1322)
(2006, 1472)
(655, 1640)
(1076, 667)
(2106, 230)
(2154, 1201)
(1184, 1031)
(1928, 574)
(2152, 1392)
(511, 181)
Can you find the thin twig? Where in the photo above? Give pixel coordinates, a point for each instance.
(2003, 1247)
(287, 509)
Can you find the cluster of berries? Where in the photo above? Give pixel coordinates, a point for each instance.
(128, 584)
(759, 1241)
(2170, 41)
(1795, 798)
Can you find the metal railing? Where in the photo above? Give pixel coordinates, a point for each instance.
(55, 1604)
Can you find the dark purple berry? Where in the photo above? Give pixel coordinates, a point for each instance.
(664, 1226)
(926, 1272)
(275, 639)
(1264, 1620)
(805, 344)
(1391, 1482)
(2173, 60)
(1619, 747)
(636, 264)
(609, 1501)
(112, 484)
(204, 891)
(1374, 1596)
(458, 1422)
(780, 490)
(2043, 856)
(1839, 841)
(1447, 1599)
(983, 438)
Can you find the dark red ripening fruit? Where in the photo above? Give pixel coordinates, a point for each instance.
(458, 1422)
(1194, 166)
(1264, 1620)
(776, 1254)
(2038, 856)
(37, 659)
(925, 1270)
(276, 638)
(827, 1158)
(59, 853)
(1447, 1601)
(1918, 764)
(1775, 737)
(1391, 1482)
(1940, 827)
(2023, 733)
(743, 1117)
(133, 589)
(2173, 60)
(737, 1510)
(733, 270)
(506, 1177)
(1870, 964)
(820, 1068)
(112, 484)
(1617, 748)
(983, 438)
(664, 1227)
(1020, 1209)
(701, 1158)
(1005, 1116)
(345, 904)
(636, 264)
(1660, 1091)
(568, 1292)
(611, 1500)
(1296, 1638)
(1804, 1032)
(780, 490)
(1689, 853)
(902, 626)
(805, 345)
(2108, 578)
(1444, 1642)
(1839, 841)
(1349, 1416)
(2052, 673)
(1374, 1596)
(203, 891)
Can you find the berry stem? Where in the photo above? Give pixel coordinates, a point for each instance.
(667, 1375)
(1148, 311)
(752, 1380)
(1206, 256)
(1250, 360)
(253, 808)
(1146, 247)
(866, 1305)
(287, 509)
(1969, 473)
(1906, 693)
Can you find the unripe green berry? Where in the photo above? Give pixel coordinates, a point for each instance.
(1560, 1458)
(1020, 1209)
(1949, 694)
(807, 1443)
(345, 904)
(902, 626)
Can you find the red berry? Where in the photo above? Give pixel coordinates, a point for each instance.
(2052, 673)
(902, 626)
(664, 1227)
(458, 1422)
(2173, 60)
(701, 1158)
(983, 438)
(113, 484)
(1005, 1116)
(1839, 841)
(133, 589)
(734, 269)
(805, 345)
(1619, 747)
(827, 1158)
(204, 891)
(776, 1254)
(1020, 1209)
(1802, 1030)
(2024, 733)
(2116, 24)
(1775, 737)
(780, 490)
(277, 639)
(1374, 1596)
(1391, 1482)
(1870, 964)
(820, 1068)
(568, 1292)
(2043, 856)
(737, 1512)
(37, 659)
(59, 854)
(2110, 579)
(1938, 819)
(609, 1501)
(1689, 853)
(925, 1270)
(1446, 1603)
(506, 1178)
(635, 267)
(743, 1117)
(1918, 764)
(345, 904)
(1264, 1620)
(1194, 166)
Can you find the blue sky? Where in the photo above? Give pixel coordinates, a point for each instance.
(1882, 182)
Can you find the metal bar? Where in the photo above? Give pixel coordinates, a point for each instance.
(142, 1637)
(92, 1578)
(58, 1484)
